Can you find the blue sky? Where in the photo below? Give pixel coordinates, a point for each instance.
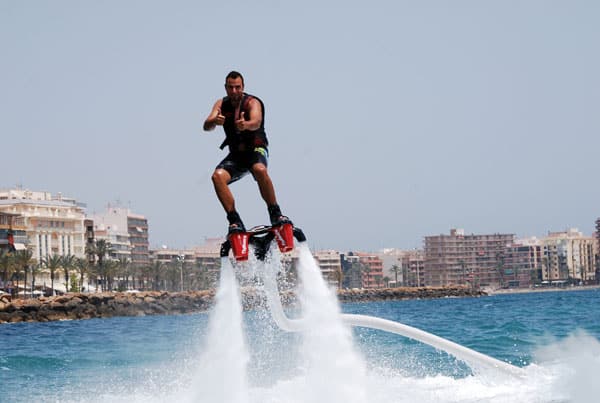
(388, 120)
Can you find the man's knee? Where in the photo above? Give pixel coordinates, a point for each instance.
(260, 171)
(220, 176)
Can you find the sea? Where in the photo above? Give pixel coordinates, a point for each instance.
(231, 355)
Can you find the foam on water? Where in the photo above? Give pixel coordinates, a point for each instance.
(573, 365)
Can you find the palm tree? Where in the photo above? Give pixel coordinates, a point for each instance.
(110, 270)
(123, 272)
(101, 248)
(154, 271)
(23, 260)
(52, 263)
(82, 265)
(186, 274)
(68, 265)
(136, 271)
(35, 269)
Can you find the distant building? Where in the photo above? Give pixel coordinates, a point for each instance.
(137, 228)
(598, 251)
(523, 263)
(568, 257)
(392, 266)
(476, 260)
(169, 256)
(413, 268)
(126, 232)
(208, 255)
(54, 224)
(89, 240)
(331, 266)
(362, 270)
(352, 269)
(13, 232)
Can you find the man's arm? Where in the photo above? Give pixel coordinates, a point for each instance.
(255, 120)
(215, 118)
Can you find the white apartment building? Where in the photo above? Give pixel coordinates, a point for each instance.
(392, 265)
(126, 232)
(111, 226)
(330, 264)
(54, 224)
(568, 255)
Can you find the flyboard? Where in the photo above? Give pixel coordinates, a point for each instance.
(262, 237)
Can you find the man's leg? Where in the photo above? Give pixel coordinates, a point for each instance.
(267, 191)
(261, 175)
(220, 179)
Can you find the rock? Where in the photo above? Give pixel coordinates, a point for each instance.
(31, 305)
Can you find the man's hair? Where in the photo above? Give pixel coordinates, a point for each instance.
(234, 74)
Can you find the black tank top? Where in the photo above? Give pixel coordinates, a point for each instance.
(247, 140)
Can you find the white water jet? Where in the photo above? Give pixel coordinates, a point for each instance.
(335, 370)
(477, 361)
(332, 370)
(222, 375)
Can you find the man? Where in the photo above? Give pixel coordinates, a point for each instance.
(242, 117)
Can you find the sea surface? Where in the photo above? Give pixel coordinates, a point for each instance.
(554, 336)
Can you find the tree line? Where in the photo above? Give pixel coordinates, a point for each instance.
(100, 272)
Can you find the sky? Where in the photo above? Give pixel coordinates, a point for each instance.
(388, 121)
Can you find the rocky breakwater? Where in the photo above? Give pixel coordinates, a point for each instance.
(105, 305)
(383, 294)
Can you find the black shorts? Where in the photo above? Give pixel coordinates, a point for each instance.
(238, 164)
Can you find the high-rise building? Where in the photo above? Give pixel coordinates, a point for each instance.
(126, 232)
(476, 260)
(137, 228)
(568, 257)
(413, 268)
(372, 274)
(352, 269)
(330, 264)
(523, 263)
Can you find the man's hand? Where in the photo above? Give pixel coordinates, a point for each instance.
(219, 119)
(215, 118)
(240, 124)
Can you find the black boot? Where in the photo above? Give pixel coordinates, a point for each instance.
(275, 215)
(235, 222)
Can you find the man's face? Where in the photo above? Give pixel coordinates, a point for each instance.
(235, 89)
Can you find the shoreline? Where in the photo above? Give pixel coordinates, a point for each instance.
(541, 289)
(77, 306)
